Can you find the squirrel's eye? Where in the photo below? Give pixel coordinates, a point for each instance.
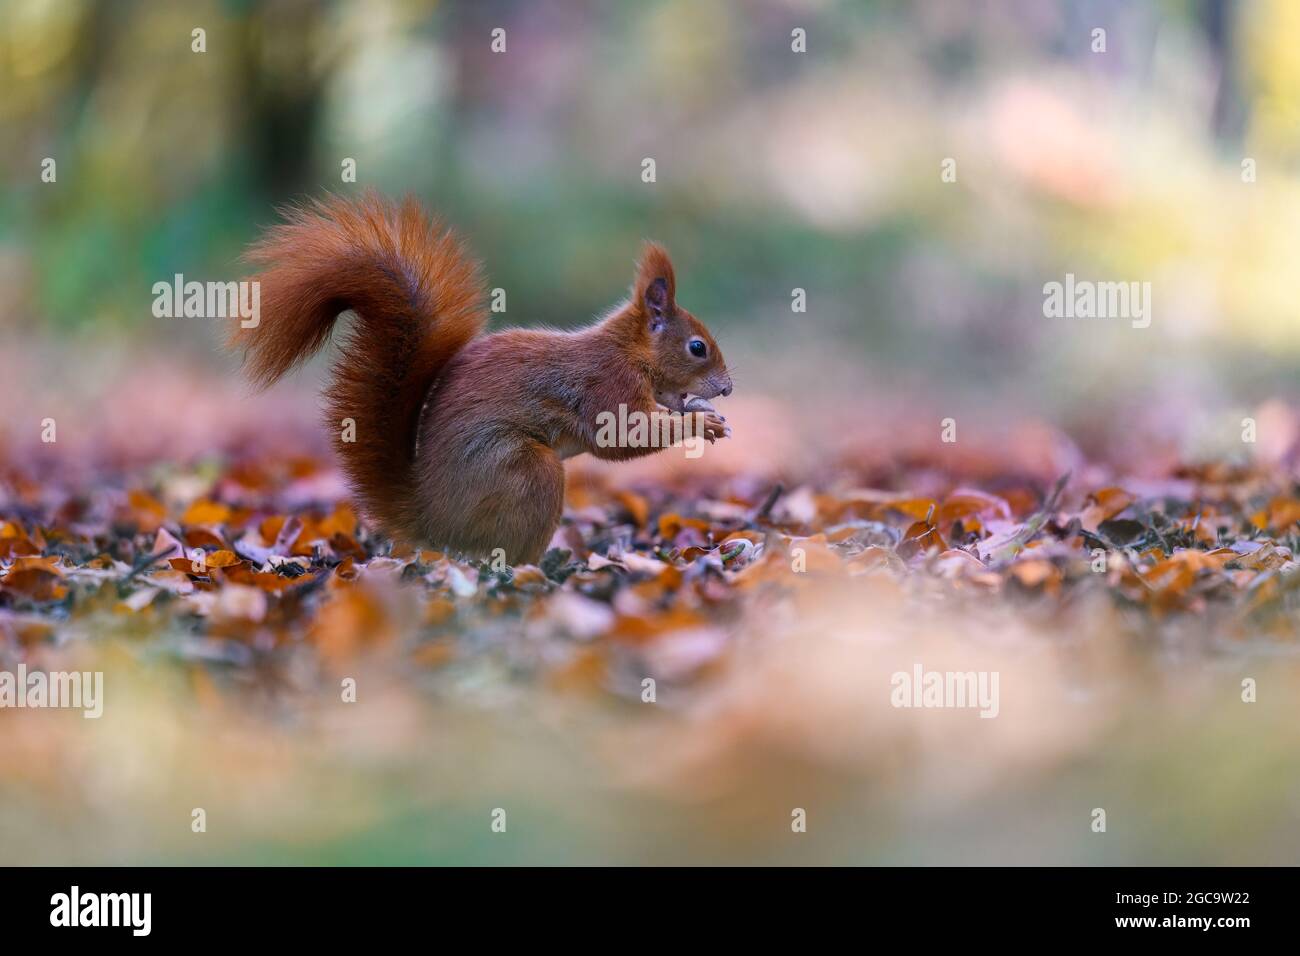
(698, 348)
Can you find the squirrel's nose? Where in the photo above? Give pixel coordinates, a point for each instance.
(726, 391)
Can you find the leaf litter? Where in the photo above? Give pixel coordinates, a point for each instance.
(253, 563)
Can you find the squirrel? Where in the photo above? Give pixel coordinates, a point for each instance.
(459, 436)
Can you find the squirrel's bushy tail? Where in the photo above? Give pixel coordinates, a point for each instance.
(418, 297)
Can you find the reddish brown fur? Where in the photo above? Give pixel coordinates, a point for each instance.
(481, 468)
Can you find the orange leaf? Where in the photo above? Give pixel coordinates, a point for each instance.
(270, 527)
(671, 524)
(342, 521)
(39, 587)
(345, 544)
(1034, 572)
(920, 537)
(11, 547)
(965, 502)
(915, 508)
(147, 510)
(49, 565)
(203, 538)
(1282, 514)
(38, 578)
(221, 559)
(206, 512)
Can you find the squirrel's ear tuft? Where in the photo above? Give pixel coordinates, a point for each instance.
(655, 289)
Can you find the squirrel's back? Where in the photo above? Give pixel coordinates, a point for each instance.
(418, 297)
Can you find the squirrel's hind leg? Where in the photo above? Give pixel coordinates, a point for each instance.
(521, 507)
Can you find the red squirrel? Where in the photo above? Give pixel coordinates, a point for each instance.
(459, 436)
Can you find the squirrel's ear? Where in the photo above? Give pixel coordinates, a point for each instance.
(655, 290)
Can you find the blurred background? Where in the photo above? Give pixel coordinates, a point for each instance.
(1171, 157)
(776, 170)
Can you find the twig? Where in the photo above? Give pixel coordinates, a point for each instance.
(1033, 525)
(765, 512)
(144, 563)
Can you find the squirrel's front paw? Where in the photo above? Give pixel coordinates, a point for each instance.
(710, 425)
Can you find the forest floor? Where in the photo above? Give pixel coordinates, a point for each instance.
(709, 650)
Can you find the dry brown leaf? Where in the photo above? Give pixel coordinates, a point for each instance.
(636, 506)
(1104, 505)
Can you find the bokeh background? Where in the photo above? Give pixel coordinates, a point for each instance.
(776, 170)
